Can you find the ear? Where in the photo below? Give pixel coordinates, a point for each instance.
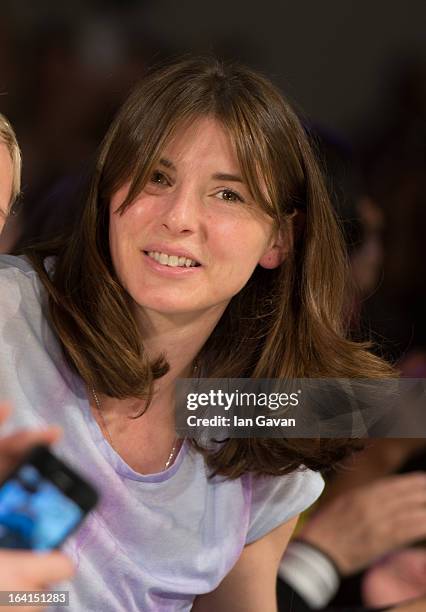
(273, 257)
(278, 251)
(283, 242)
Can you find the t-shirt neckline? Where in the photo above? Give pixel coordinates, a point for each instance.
(110, 454)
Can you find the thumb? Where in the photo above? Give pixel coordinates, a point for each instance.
(40, 568)
(5, 411)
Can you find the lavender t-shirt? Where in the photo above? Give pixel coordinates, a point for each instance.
(155, 541)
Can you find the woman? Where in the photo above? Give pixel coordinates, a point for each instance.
(21, 570)
(10, 184)
(207, 246)
(10, 168)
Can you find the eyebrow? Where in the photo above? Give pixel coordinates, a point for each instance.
(227, 177)
(218, 176)
(167, 163)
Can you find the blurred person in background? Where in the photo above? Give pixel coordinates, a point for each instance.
(365, 513)
(394, 164)
(10, 170)
(19, 570)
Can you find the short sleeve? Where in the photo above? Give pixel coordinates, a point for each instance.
(277, 499)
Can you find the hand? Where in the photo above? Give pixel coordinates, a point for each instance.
(398, 578)
(362, 525)
(13, 448)
(29, 571)
(419, 605)
(22, 570)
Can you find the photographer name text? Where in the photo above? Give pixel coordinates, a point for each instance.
(236, 421)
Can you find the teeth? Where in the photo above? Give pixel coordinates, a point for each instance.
(172, 260)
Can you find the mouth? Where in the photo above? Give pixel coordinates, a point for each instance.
(172, 261)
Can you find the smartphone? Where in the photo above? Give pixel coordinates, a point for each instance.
(42, 502)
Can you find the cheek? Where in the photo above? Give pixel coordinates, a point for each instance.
(126, 232)
(6, 179)
(120, 241)
(124, 229)
(241, 244)
(5, 197)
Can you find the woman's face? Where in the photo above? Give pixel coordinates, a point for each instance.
(192, 238)
(6, 180)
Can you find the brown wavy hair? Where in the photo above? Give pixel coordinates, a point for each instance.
(287, 322)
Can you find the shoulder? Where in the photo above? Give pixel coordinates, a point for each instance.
(22, 297)
(17, 277)
(29, 353)
(277, 499)
(10, 264)
(20, 271)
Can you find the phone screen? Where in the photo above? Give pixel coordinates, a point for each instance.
(34, 512)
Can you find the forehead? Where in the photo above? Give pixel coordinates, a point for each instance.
(6, 166)
(5, 157)
(6, 176)
(203, 141)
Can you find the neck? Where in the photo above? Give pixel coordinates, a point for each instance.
(179, 338)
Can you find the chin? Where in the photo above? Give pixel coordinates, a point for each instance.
(167, 305)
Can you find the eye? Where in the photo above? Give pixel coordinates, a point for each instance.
(158, 178)
(229, 196)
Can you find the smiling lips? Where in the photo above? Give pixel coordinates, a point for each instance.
(174, 261)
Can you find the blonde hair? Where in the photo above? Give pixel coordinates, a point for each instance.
(7, 137)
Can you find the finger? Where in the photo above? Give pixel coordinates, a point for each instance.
(5, 411)
(21, 441)
(390, 497)
(396, 487)
(409, 565)
(43, 568)
(13, 448)
(412, 500)
(408, 527)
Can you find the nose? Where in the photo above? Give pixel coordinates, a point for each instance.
(181, 214)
